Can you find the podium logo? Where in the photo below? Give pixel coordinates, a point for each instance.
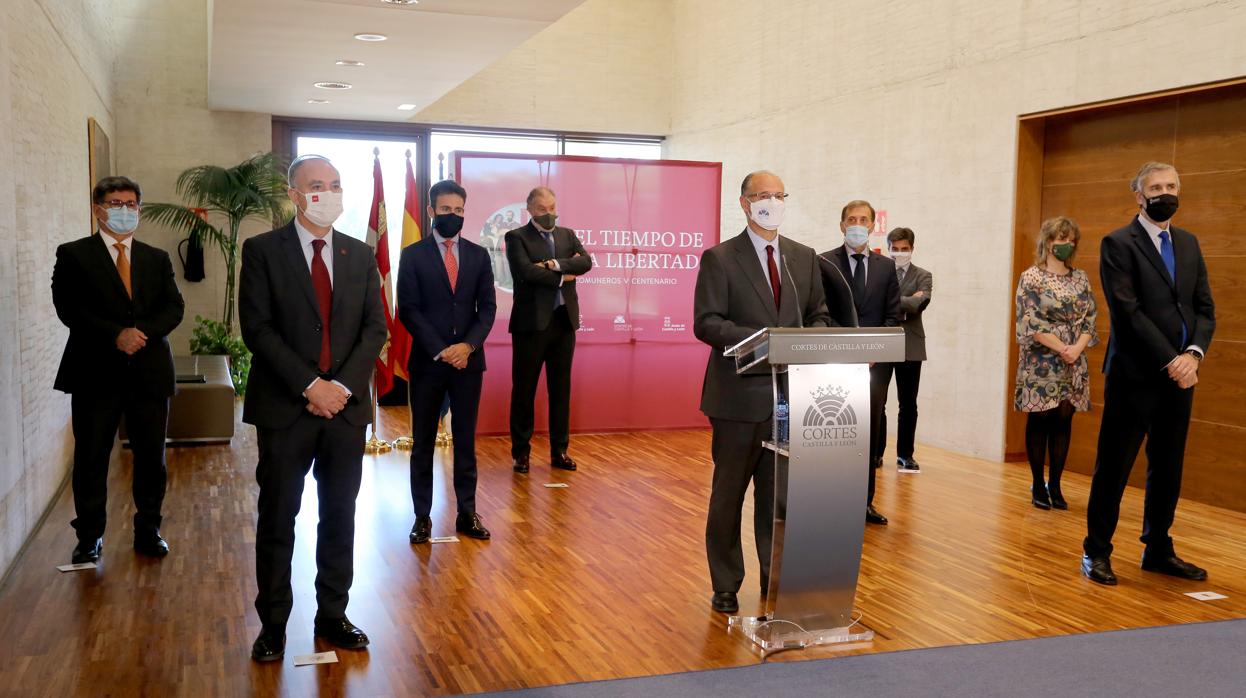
(830, 407)
(830, 420)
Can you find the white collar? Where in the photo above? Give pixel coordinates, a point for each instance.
(306, 236)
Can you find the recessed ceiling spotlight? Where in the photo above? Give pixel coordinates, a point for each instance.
(317, 101)
(352, 64)
(401, 2)
(406, 107)
(367, 36)
(333, 85)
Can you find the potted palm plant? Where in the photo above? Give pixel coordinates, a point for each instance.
(254, 188)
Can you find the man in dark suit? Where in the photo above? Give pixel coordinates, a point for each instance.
(118, 298)
(309, 304)
(754, 280)
(1163, 318)
(916, 287)
(875, 294)
(544, 261)
(447, 303)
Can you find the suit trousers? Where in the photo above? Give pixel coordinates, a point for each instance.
(332, 449)
(880, 381)
(1133, 409)
(96, 418)
(908, 378)
(429, 386)
(552, 348)
(738, 459)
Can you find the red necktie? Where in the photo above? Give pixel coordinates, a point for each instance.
(324, 296)
(775, 284)
(452, 264)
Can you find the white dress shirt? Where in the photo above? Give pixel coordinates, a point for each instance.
(852, 261)
(109, 241)
(759, 245)
(306, 237)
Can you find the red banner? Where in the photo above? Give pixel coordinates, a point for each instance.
(645, 223)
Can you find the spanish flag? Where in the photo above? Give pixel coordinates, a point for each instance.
(399, 340)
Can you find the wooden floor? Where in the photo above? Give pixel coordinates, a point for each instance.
(604, 579)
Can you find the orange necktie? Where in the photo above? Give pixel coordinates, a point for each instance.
(452, 264)
(123, 268)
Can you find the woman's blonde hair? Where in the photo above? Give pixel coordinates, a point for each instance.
(1054, 229)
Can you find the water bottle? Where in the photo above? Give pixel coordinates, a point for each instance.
(781, 419)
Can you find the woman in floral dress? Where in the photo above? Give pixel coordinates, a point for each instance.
(1055, 325)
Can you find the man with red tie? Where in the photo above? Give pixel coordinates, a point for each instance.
(447, 303)
(309, 304)
(119, 300)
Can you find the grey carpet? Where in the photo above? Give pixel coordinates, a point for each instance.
(1199, 659)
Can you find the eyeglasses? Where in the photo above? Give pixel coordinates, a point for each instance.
(116, 204)
(778, 196)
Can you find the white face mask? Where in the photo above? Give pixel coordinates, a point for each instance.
(323, 207)
(902, 258)
(856, 236)
(768, 213)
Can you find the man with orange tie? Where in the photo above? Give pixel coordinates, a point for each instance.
(119, 300)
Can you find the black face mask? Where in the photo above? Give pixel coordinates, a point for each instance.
(546, 220)
(447, 225)
(1161, 208)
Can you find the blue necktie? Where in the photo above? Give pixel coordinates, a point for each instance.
(549, 238)
(1170, 263)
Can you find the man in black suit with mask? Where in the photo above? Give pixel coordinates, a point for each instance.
(754, 280)
(545, 260)
(875, 293)
(447, 303)
(118, 298)
(1163, 318)
(309, 304)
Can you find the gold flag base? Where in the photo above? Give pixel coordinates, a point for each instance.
(404, 443)
(374, 446)
(443, 436)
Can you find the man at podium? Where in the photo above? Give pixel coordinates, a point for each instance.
(756, 279)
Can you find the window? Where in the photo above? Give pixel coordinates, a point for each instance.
(616, 149)
(443, 143)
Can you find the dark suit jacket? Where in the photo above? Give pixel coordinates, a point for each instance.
(880, 306)
(437, 317)
(280, 321)
(733, 301)
(91, 301)
(912, 308)
(536, 288)
(1146, 307)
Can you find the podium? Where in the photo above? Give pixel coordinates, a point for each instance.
(821, 477)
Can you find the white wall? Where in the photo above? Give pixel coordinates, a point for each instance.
(605, 66)
(56, 60)
(914, 107)
(164, 127)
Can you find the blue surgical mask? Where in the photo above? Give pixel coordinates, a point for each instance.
(856, 235)
(122, 221)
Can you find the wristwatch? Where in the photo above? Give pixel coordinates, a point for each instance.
(1195, 354)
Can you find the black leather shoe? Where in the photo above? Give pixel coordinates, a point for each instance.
(270, 646)
(470, 526)
(1056, 497)
(151, 545)
(872, 516)
(340, 632)
(907, 465)
(421, 531)
(561, 461)
(87, 551)
(1173, 566)
(521, 465)
(878, 464)
(725, 602)
(1039, 498)
(1098, 570)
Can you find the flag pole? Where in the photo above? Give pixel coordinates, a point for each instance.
(375, 445)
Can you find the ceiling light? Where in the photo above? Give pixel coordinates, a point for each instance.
(317, 101)
(401, 2)
(352, 64)
(371, 37)
(333, 85)
(406, 107)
